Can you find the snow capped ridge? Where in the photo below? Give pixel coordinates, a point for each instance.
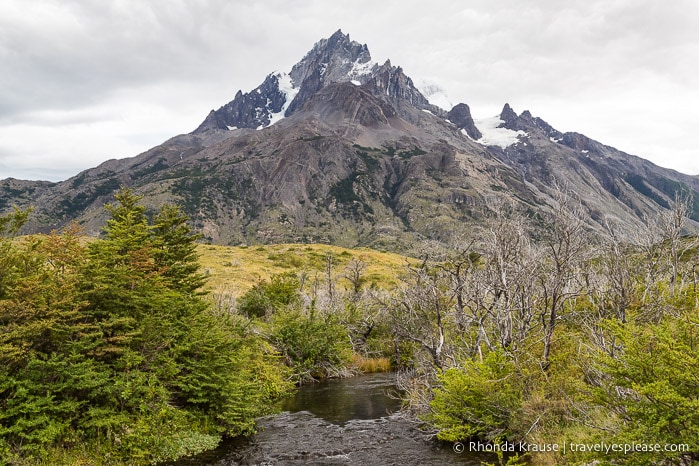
(336, 59)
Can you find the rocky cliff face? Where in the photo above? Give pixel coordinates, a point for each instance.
(251, 110)
(460, 115)
(342, 150)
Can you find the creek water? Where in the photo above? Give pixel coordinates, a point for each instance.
(353, 421)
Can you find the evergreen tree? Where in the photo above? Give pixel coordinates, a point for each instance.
(47, 379)
(110, 349)
(117, 281)
(175, 250)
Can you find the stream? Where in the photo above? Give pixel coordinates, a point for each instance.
(353, 421)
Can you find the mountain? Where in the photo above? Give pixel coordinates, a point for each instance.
(347, 151)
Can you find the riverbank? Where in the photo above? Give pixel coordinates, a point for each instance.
(355, 420)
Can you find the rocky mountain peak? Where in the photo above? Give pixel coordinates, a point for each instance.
(255, 109)
(393, 82)
(336, 59)
(525, 122)
(509, 117)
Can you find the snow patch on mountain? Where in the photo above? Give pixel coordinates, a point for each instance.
(495, 135)
(287, 88)
(435, 94)
(360, 70)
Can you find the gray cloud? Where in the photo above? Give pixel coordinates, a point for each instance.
(84, 81)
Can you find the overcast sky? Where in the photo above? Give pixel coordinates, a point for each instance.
(83, 81)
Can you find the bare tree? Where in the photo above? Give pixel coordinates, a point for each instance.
(564, 249)
(512, 265)
(610, 289)
(329, 280)
(498, 292)
(662, 247)
(354, 273)
(419, 311)
(457, 269)
(649, 241)
(617, 271)
(673, 224)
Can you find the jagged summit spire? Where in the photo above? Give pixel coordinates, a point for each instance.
(337, 59)
(337, 40)
(339, 33)
(507, 113)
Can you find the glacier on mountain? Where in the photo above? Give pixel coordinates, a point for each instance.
(493, 134)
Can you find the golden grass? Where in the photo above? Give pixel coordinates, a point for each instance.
(370, 365)
(235, 269)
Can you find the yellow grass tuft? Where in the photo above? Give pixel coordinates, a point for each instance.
(370, 365)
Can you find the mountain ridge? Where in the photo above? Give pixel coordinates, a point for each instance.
(343, 150)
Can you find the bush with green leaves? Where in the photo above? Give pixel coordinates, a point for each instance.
(281, 291)
(478, 399)
(315, 345)
(652, 386)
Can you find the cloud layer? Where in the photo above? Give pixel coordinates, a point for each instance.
(86, 81)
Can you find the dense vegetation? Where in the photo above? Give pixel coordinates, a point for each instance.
(569, 343)
(109, 354)
(513, 335)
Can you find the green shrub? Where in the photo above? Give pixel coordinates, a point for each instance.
(476, 400)
(280, 291)
(653, 386)
(315, 346)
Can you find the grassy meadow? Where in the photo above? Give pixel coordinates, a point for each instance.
(236, 269)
